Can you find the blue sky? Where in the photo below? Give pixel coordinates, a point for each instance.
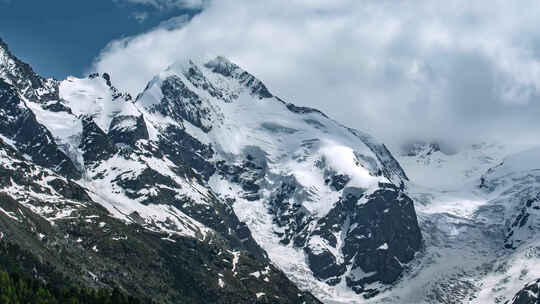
(62, 37)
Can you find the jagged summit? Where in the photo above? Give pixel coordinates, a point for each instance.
(226, 68)
(226, 87)
(21, 75)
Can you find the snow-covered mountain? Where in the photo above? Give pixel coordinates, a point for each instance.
(205, 160)
(87, 196)
(207, 187)
(323, 200)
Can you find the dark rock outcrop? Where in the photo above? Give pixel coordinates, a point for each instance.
(95, 143)
(530, 294)
(128, 130)
(19, 124)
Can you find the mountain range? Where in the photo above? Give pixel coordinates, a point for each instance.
(208, 188)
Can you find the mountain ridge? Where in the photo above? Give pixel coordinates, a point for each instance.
(174, 162)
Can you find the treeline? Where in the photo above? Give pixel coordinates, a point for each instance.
(15, 289)
(17, 285)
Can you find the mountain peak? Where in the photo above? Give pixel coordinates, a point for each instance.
(23, 77)
(10, 65)
(3, 45)
(218, 74)
(225, 67)
(222, 66)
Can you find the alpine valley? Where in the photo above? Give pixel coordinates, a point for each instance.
(208, 188)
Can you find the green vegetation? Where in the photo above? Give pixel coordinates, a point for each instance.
(23, 279)
(15, 288)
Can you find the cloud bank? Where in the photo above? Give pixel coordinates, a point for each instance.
(453, 71)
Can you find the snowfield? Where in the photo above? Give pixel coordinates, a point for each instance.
(465, 203)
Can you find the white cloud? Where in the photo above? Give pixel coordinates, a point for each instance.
(457, 70)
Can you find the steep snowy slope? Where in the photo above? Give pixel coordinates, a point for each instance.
(18, 123)
(324, 201)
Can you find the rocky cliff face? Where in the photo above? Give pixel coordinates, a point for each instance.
(204, 180)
